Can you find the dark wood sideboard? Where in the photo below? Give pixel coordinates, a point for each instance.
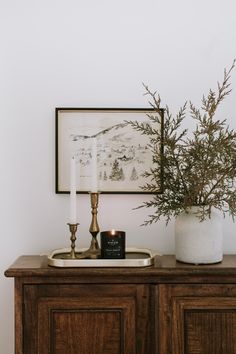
(167, 308)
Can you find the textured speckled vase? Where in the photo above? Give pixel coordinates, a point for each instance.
(198, 242)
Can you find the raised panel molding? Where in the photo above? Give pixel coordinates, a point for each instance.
(82, 319)
(77, 332)
(210, 332)
(204, 325)
(197, 324)
(100, 326)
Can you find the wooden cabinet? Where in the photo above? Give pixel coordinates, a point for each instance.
(168, 308)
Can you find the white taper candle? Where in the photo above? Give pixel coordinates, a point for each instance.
(94, 171)
(73, 218)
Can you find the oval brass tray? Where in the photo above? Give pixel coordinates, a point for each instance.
(134, 257)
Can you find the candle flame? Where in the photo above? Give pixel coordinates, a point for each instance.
(113, 232)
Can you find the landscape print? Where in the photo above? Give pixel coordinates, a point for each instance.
(122, 152)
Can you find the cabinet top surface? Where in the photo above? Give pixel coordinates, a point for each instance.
(37, 266)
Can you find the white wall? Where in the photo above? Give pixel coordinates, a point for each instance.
(90, 53)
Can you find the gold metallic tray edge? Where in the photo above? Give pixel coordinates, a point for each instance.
(142, 262)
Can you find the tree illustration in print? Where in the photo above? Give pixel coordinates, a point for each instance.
(105, 176)
(122, 175)
(117, 173)
(134, 175)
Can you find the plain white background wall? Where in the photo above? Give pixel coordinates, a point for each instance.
(88, 53)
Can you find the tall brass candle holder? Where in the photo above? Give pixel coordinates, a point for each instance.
(73, 229)
(94, 250)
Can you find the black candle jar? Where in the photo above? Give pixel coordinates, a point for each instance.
(112, 244)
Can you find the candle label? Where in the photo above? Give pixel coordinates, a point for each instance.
(113, 244)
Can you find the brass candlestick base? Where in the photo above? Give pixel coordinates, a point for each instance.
(73, 229)
(94, 249)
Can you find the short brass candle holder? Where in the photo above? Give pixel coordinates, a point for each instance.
(94, 250)
(73, 229)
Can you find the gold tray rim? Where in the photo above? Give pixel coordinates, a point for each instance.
(138, 262)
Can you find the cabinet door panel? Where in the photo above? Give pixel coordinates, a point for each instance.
(210, 331)
(105, 319)
(81, 326)
(74, 332)
(197, 319)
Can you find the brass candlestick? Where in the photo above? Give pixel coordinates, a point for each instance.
(73, 229)
(94, 249)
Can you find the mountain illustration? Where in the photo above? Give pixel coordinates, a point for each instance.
(100, 133)
(119, 148)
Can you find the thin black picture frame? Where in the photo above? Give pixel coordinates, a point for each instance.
(123, 153)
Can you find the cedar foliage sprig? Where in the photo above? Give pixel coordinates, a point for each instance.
(197, 169)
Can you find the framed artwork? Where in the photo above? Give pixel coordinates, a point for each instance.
(122, 153)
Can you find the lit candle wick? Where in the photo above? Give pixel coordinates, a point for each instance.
(113, 232)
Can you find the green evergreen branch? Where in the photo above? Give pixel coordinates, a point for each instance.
(197, 170)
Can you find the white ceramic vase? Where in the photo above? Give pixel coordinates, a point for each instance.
(198, 242)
